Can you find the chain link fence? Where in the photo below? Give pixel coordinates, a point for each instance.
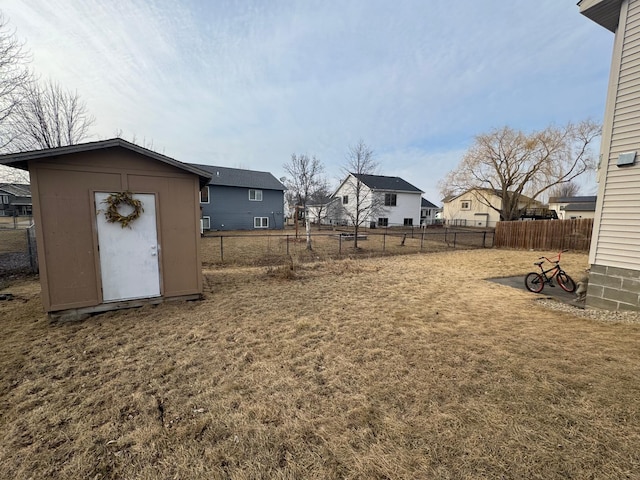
(275, 248)
(18, 251)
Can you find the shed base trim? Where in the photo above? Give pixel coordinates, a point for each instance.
(76, 314)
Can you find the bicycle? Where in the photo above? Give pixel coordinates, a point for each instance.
(535, 281)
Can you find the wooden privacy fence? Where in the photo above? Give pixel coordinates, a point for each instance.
(545, 234)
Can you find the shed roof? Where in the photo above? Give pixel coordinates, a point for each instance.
(237, 177)
(381, 182)
(21, 159)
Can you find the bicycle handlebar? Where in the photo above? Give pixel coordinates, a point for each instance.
(554, 261)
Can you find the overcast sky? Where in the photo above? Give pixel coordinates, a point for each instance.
(247, 83)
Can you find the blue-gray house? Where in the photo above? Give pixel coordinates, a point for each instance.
(238, 199)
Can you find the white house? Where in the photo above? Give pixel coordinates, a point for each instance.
(428, 212)
(569, 208)
(477, 208)
(614, 282)
(384, 201)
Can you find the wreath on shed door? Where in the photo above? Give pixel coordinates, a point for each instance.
(114, 201)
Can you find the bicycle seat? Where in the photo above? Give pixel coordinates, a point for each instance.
(538, 263)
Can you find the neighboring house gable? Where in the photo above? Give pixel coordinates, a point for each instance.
(477, 208)
(573, 207)
(428, 212)
(397, 202)
(615, 245)
(15, 199)
(239, 199)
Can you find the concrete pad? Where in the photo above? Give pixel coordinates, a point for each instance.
(548, 291)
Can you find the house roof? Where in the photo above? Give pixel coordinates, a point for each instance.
(21, 201)
(581, 207)
(237, 177)
(583, 199)
(21, 159)
(497, 193)
(604, 12)
(427, 204)
(380, 182)
(16, 189)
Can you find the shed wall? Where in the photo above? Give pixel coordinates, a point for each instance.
(65, 212)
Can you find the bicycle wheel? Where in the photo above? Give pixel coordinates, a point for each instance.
(565, 282)
(534, 282)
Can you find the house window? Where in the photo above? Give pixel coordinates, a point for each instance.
(204, 194)
(345, 199)
(408, 222)
(465, 205)
(390, 199)
(260, 222)
(255, 196)
(5, 199)
(383, 222)
(206, 223)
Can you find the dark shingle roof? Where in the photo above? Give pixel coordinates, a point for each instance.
(236, 177)
(380, 182)
(427, 204)
(16, 189)
(581, 207)
(583, 199)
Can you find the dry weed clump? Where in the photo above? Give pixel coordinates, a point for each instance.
(394, 367)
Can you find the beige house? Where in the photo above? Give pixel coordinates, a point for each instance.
(93, 258)
(478, 208)
(615, 246)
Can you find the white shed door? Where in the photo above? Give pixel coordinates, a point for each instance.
(128, 256)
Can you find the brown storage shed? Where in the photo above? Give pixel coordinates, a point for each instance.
(90, 262)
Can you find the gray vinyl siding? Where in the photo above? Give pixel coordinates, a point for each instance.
(618, 233)
(229, 208)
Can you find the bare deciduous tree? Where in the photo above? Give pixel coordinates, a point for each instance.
(49, 116)
(305, 178)
(13, 175)
(14, 75)
(570, 189)
(364, 204)
(510, 164)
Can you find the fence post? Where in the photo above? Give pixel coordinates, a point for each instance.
(340, 243)
(221, 249)
(422, 239)
(287, 245)
(384, 240)
(484, 239)
(455, 234)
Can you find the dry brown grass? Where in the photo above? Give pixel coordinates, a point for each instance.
(395, 367)
(13, 240)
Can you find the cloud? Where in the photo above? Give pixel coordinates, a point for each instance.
(249, 83)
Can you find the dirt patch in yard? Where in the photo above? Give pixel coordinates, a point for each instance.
(394, 367)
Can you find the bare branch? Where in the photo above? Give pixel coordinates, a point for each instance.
(512, 164)
(14, 75)
(49, 116)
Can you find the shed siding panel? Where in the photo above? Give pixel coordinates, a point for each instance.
(67, 216)
(618, 242)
